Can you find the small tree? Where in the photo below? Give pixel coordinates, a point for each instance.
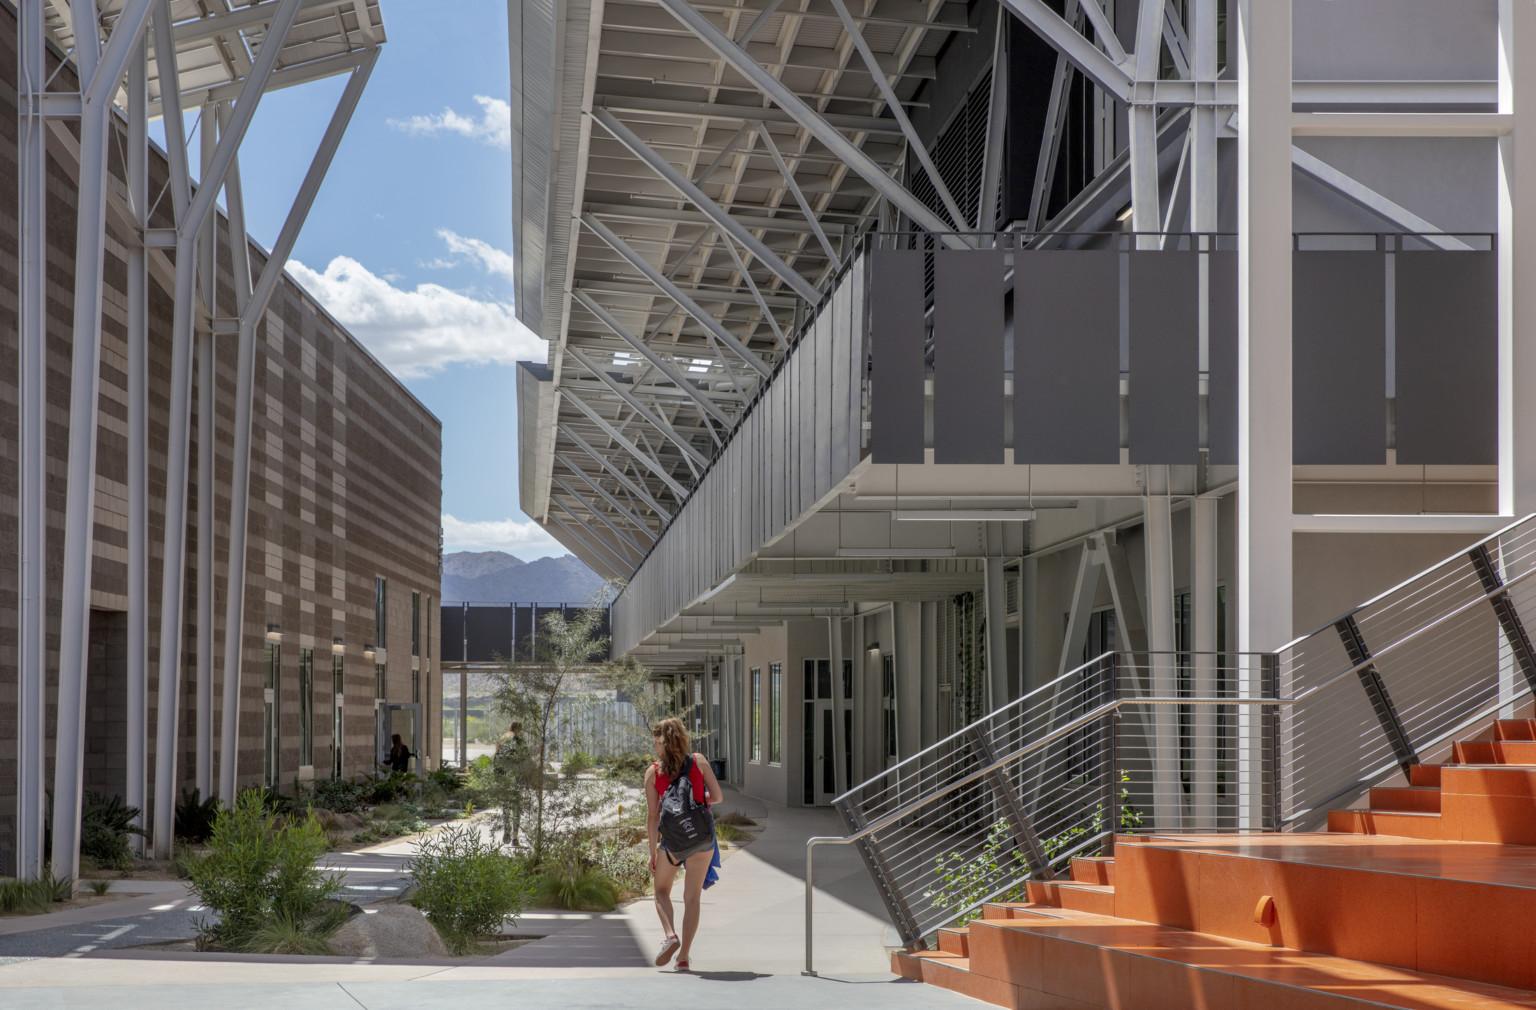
(531, 694)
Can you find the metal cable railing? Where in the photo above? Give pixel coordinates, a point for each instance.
(1196, 742)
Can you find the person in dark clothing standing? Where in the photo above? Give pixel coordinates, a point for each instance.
(400, 755)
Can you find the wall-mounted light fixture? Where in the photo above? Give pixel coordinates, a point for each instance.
(337, 645)
(274, 632)
(874, 647)
(368, 650)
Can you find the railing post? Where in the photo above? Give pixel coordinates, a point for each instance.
(1109, 783)
(879, 871)
(1376, 691)
(1025, 838)
(1504, 609)
(1269, 723)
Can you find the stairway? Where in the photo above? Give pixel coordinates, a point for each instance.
(1424, 900)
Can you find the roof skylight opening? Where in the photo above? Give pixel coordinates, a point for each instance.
(623, 359)
(699, 365)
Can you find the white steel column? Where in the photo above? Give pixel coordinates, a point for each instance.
(1146, 206)
(1264, 357)
(207, 264)
(839, 705)
(188, 228)
(1517, 254)
(1203, 575)
(137, 722)
(997, 633)
(1158, 527)
(1203, 178)
(32, 383)
(100, 72)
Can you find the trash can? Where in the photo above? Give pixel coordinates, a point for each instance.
(718, 764)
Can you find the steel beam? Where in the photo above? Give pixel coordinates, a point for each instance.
(593, 558)
(1363, 195)
(812, 121)
(874, 125)
(696, 196)
(1104, 31)
(137, 665)
(625, 564)
(101, 70)
(250, 318)
(762, 303)
(997, 121)
(798, 194)
(606, 495)
(656, 421)
(1050, 142)
(207, 249)
(602, 517)
(644, 350)
(1146, 197)
(619, 475)
(32, 442)
(1050, 26)
(672, 291)
(634, 450)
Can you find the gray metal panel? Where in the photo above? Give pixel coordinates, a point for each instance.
(1066, 312)
(896, 339)
(968, 296)
(848, 379)
(1222, 410)
(1165, 357)
(1447, 358)
(804, 436)
(1339, 358)
(826, 435)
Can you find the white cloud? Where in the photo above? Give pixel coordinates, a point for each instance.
(491, 259)
(524, 539)
(420, 330)
(493, 127)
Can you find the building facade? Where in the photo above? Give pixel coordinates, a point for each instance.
(335, 642)
(906, 356)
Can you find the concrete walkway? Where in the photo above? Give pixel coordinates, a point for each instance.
(752, 933)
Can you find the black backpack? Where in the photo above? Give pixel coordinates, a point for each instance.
(686, 822)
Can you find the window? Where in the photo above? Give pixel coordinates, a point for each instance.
(415, 624)
(269, 714)
(337, 665)
(307, 707)
(427, 642)
(416, 686)
(757, 715)
(378, 680)
(775, 707)
(378, 613)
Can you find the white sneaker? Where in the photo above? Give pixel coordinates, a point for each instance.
(668, 948)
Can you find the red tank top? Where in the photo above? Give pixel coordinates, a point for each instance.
(697, 775)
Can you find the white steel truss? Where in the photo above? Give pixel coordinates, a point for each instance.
(223, 60)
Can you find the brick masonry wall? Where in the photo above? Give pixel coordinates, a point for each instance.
(345, 487)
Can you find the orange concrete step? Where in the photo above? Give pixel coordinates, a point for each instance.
(1410, 799)
(1386, 822)
(1515, 752)
(1424, 775)
(1443, 907)
(1096, 898)
(1474, 752)
(1515, 729)
(1093, 870)
(1490, 803)
(1081, 961)
(953, 940)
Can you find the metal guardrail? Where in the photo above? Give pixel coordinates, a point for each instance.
(1195, 742)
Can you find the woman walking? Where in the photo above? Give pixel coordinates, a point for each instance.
(680, 829)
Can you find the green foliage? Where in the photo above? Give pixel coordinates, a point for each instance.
(105, 824)
(630, 768)
(1130, 820)
(99, 887)
(257, 871)
(31, 897)
(735, 818)
(195, 815)
(391, 787)
(566, 881)
(732, 833)
(447, 780)
(337, 795)
(284, 934)
(627, 863)
(466, 887)
(965, 881)
(576, 762)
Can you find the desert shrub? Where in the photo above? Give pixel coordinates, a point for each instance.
(105, 824)
(569, 878)
(732, 833)
(257, 871)
(445, 779)
(628, 863)
(736, 818)
(576, 762)
(630, 767)
(466, 887)
(391, 787)
(29, 897)
(195, 815)
(337, 795)
(99, 887)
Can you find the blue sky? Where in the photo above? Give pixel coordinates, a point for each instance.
(409, 242)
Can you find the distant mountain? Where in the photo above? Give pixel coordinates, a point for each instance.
(498, 577)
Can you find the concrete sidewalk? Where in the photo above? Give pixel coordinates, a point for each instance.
(752, 932)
